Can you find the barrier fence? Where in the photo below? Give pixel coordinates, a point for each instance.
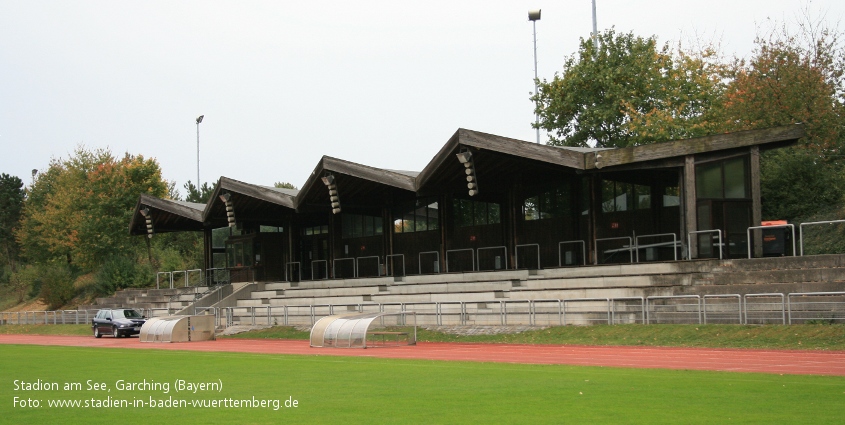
(764, 308)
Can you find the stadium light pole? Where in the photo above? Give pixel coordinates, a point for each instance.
(199, 120)
(595, 27)
(534, 16)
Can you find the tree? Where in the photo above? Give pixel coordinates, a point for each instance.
(285, 185)
(199, 195)
(12, 196)
(627, 92)
(795, 78)
(78, 209)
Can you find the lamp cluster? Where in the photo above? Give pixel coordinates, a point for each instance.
(230, 208)
(328, 180)
(149, 220)
(469, 168)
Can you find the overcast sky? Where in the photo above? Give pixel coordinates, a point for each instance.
(283, 83)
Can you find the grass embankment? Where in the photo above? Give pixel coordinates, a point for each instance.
(46, 329)
(796, 337)
(352, 390)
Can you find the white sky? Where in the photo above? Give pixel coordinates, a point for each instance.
(282, 83)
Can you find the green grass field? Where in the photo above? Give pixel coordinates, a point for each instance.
(364, 390)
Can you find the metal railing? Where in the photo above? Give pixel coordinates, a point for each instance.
(718, 232)
(629, 247)
(812, 223)
(496, 266)
(389, 270)
(471, 251)
(637, 245)
(516, 252)
(560, 252)
(791, 227)
(764, 308)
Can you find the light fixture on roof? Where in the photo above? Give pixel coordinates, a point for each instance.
(149, 221)
(465, 157)
(334, 198)
(230, 208)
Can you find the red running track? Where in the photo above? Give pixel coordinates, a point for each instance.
(730, 360)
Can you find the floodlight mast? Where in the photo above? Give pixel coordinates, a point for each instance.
(534, 16)
(199, 120)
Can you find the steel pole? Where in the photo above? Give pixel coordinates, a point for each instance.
(536, 114)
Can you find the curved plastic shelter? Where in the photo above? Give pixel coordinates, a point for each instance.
(178, 329)
(363, 330)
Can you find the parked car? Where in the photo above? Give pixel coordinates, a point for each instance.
(117, 322)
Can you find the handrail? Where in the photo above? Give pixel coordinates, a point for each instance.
(812, 223)
(325, 268)
(790, 226)
(386, 262)
(737, 296)
(804, 294)
(298, 269)
(358, 264)
(516, 252)
(689, 241)
(437, 261)
(773, 294)
(630, 247)
(583, 252)
(662, 297)
(161, 273)
(656, 235)
(334, 266)
(472, 251)
(478, 256)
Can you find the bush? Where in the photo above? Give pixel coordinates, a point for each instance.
(56, 285)
(121, 272)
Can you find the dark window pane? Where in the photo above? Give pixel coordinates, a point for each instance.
(735, 178)
(708, 181)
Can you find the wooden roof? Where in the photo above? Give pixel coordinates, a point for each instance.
(168, 215)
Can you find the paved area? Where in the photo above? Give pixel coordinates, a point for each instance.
(732, 360)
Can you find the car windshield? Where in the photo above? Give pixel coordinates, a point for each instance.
(129, 314)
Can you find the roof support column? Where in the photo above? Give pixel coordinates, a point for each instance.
(689, 206)
(756, 202)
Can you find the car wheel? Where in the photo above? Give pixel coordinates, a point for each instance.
(97, 333)
(115, 333)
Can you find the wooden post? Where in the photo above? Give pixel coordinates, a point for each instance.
(689, 206)
(756, 202)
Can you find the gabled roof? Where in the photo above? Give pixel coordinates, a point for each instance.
(249, 197)
(352, 179)
(167, 215)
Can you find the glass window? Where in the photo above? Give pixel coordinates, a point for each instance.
(735, 178)
(643, 196)
(608, 196)
(671, 196)
(531, 208)
(708, 181)
(219, 236)
(270, 229)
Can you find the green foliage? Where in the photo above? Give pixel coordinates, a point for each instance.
(795, 183)
(120, 272)
(78, 209)
(627, 92)
(285, 185)
(22, 282)
(56, 285)
(198, 195)
(12, 196)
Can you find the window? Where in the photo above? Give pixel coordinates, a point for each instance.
(726, 179)
(357, 226)
(475, 213)
(551, 204)
(619, 196)
(421, 216)
(270, 229)
(218, 237)
(316, 230)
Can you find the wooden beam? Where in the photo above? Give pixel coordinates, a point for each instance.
(756, 202)
(689, 205)
(622, 156)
